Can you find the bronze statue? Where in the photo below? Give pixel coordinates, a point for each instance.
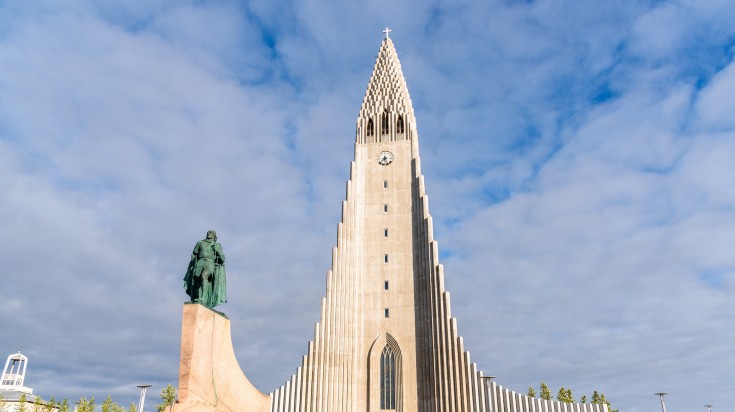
(205, 281)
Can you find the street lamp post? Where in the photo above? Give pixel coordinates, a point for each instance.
(661, 396)
(709, 408)
(486, 380)
(142, 396)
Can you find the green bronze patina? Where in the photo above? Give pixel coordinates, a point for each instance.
(205, 281)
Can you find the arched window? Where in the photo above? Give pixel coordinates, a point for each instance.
(384, 123)
(387, 379)
(370, 127)
(399, 124)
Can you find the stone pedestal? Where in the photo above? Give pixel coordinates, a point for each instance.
(210, 379)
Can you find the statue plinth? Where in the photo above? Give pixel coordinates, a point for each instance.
(210, 379)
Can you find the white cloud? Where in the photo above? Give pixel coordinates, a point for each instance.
(714, 110)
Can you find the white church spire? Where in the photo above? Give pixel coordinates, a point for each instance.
(386, 113)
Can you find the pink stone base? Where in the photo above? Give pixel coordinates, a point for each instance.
(210, 379)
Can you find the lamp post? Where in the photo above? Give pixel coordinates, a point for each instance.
(709, 408)
(486, 380)
(661, 396)
(142, 396)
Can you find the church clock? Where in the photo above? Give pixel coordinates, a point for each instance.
(385, 158)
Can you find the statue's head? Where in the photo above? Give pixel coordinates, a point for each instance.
(211, 234)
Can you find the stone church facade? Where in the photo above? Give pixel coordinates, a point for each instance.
(386, 339)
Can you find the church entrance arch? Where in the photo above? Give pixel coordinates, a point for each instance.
(385, 375)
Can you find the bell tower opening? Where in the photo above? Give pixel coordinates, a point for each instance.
(370, 127)
(384, 122)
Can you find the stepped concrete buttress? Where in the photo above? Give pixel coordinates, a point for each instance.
(210, 379)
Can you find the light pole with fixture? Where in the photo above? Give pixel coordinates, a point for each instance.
(486, 380)
(142, 396)
(661, 396)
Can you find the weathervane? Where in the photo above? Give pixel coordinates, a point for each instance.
(387, 31)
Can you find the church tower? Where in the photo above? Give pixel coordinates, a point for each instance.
(386, 339)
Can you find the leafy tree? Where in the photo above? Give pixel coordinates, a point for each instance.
(37, 405)
(561, 394)
(168, 396)
(63, 406)
(603, 400)
(606, 402)
(109, 406)
(50, 405)
(531, 392)
(545, 391)
(22, 403)
(2, 402)
(599, 398)
(133, 408)
(565, 395)
(86, 405)
(40, 406)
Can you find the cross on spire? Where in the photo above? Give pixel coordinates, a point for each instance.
(387, 31)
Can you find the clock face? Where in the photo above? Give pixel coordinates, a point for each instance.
(385, 158)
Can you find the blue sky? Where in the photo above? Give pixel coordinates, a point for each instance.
(578, 155)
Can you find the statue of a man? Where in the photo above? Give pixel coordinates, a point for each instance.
(205, 281)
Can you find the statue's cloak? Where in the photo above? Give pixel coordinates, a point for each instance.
(219, 286)
(189, 279)
(216, 286)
